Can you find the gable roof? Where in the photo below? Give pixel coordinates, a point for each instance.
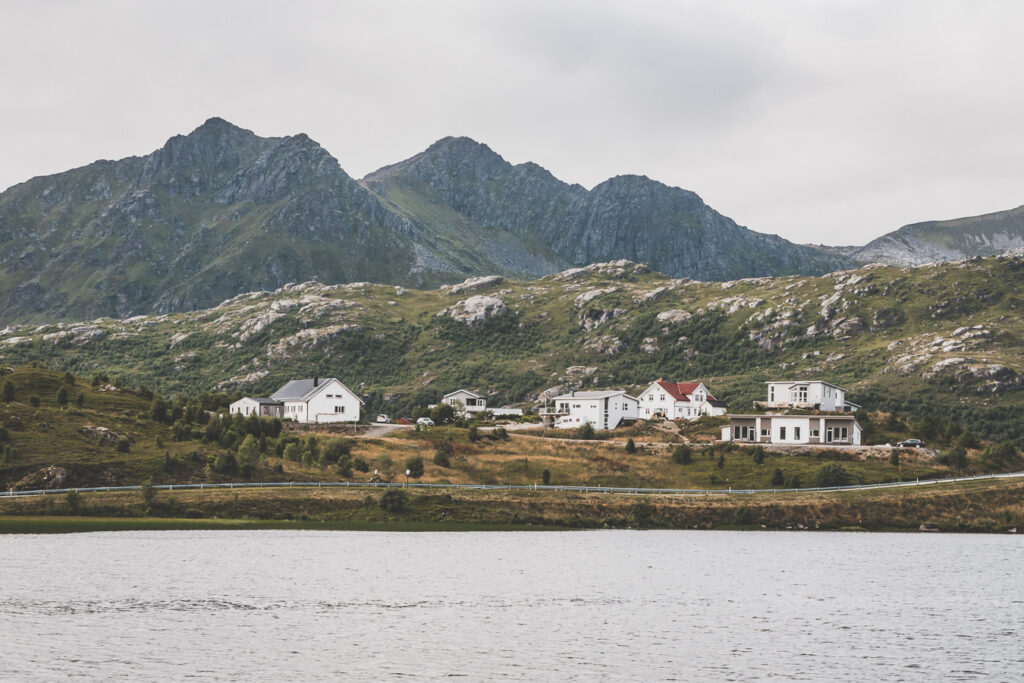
(681, 391)
(585, 395)
(305, 389)
(463, 391)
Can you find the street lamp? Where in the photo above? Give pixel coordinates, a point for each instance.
(407, 477)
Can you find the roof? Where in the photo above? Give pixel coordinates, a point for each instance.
(305, 389)
(816, 416)
(717, 404)
(681, 391)
(463, 391)
(265, 401)
(805, 381)
(590, 395)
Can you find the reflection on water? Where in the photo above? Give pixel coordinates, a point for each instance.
(604, 605)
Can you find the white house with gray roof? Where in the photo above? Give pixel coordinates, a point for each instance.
(310, 401)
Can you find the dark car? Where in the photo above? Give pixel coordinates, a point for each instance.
(911, 443)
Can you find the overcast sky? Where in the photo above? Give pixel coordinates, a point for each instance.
(828, 122)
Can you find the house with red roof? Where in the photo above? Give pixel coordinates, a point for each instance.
(678, 401)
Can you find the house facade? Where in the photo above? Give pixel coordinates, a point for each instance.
(318, 401)
(811, 395)
(466, 401)
(793, 429)
(261, 407)
(599, 409)
(678, 401)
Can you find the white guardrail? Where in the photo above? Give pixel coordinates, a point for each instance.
(507, 487)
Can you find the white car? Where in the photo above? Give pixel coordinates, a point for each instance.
(383, 419)
(425, 422)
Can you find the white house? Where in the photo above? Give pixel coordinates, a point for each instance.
(678, 401)
(812, 395)
(793, 429)
(318, 401)
(262, 407)
(466, 401)
(601, 409)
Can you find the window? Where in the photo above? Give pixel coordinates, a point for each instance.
(771, 394)
(814, 433)
(796, 433)
(743, 432)
(766, 432)
(843, 434)
(782, 433)
(736, 432)
(339, 409)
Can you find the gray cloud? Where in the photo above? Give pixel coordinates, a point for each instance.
(826, 122)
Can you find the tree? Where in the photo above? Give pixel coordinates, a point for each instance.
(3, 434)
(69, 379)
(80, 401)
(360, 464)
(630, 446)
(894, 458)
(72, 499)
(443, 456)
(442, 414)
(123, 444)
(33, 401)
(148, 492)
(474, 434)
(293, 452)
(62, 397)
(393, 500)
(249, 450)
(999, 456)
(385, 465)
(158, 409)
(832, 474)
(969, 440)
(720, 463)
(414, 466)
(501, 433)
(957, 457)
(345, 466)
(336, 449)
(546, 477)
(759, 455)
(778, 478)
(793, 481)
(8, 391)
(682, 455)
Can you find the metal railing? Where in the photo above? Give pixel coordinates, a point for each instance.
(510, 487)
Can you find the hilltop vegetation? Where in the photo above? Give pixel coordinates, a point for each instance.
(939, 346)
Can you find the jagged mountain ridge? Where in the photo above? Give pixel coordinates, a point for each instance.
(631, 217)
(222, 211)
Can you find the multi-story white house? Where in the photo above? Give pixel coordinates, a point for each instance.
(678, 401)
(811, 395)
(310, 401)
(466, 401)
(600, 409)
(793, 429)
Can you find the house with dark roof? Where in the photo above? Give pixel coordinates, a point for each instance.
(678, 401)
(311, 401)
(261, 407)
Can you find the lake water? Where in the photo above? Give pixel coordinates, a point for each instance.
(545, 606)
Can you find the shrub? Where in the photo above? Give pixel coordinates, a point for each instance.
(7, 392)
(442, 459)
(969, 440)
(793, 481)
(278, 468)
(385, 465)
(894, 457)
(630, 446)
(720, 463)
(393, 500)
(34, 401)
(682, 455)
(72, 499)
(956, 458)
(759, 455)
(360, 464)
(3, 434)
(336, 449)
(474, 434)
(148, 492)
(998, 456)
(69, 379)
(80, 401)
(585, 431)
(123, 444)
(546, 477)
(832, 474)
(247, 470)
(778, 478)
(414, 466)
(62, 397)
(293, 452)
(501, 433)
(225, 463)
(345, 466)
(249, 450)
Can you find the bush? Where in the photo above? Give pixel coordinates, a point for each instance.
(7, 392)
(393, 500)
(955, 458)
(1000, 456)
(894, 457)
(832, 474)
(278, 468)
(62, 397)
(148, 492)
(720, 463)
(501, 433)
(72, 499)
(293, 452)
(123, 444)
(682, 455)
(546, 477)
(3, 434)
(336, 449)
(360, 464)
(247, 470)
(630, 446)
(759, 455)
(778, 478)
(225, 463)
(414, 466)
(793, 482)
(442, 459)
(80, 401)
(585, 431)
(345, 466)
(249, 450)
(34, 401)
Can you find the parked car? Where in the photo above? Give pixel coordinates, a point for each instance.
(911, 443)
(384, 419)
(425, 422)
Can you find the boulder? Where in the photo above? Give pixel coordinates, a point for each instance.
(475, 310)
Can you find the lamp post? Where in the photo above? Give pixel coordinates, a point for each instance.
(407, 477)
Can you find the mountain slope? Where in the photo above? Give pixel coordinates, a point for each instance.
(629, 217)
(950, 240)
(222, 211)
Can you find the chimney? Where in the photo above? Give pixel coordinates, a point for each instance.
(316, 381)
